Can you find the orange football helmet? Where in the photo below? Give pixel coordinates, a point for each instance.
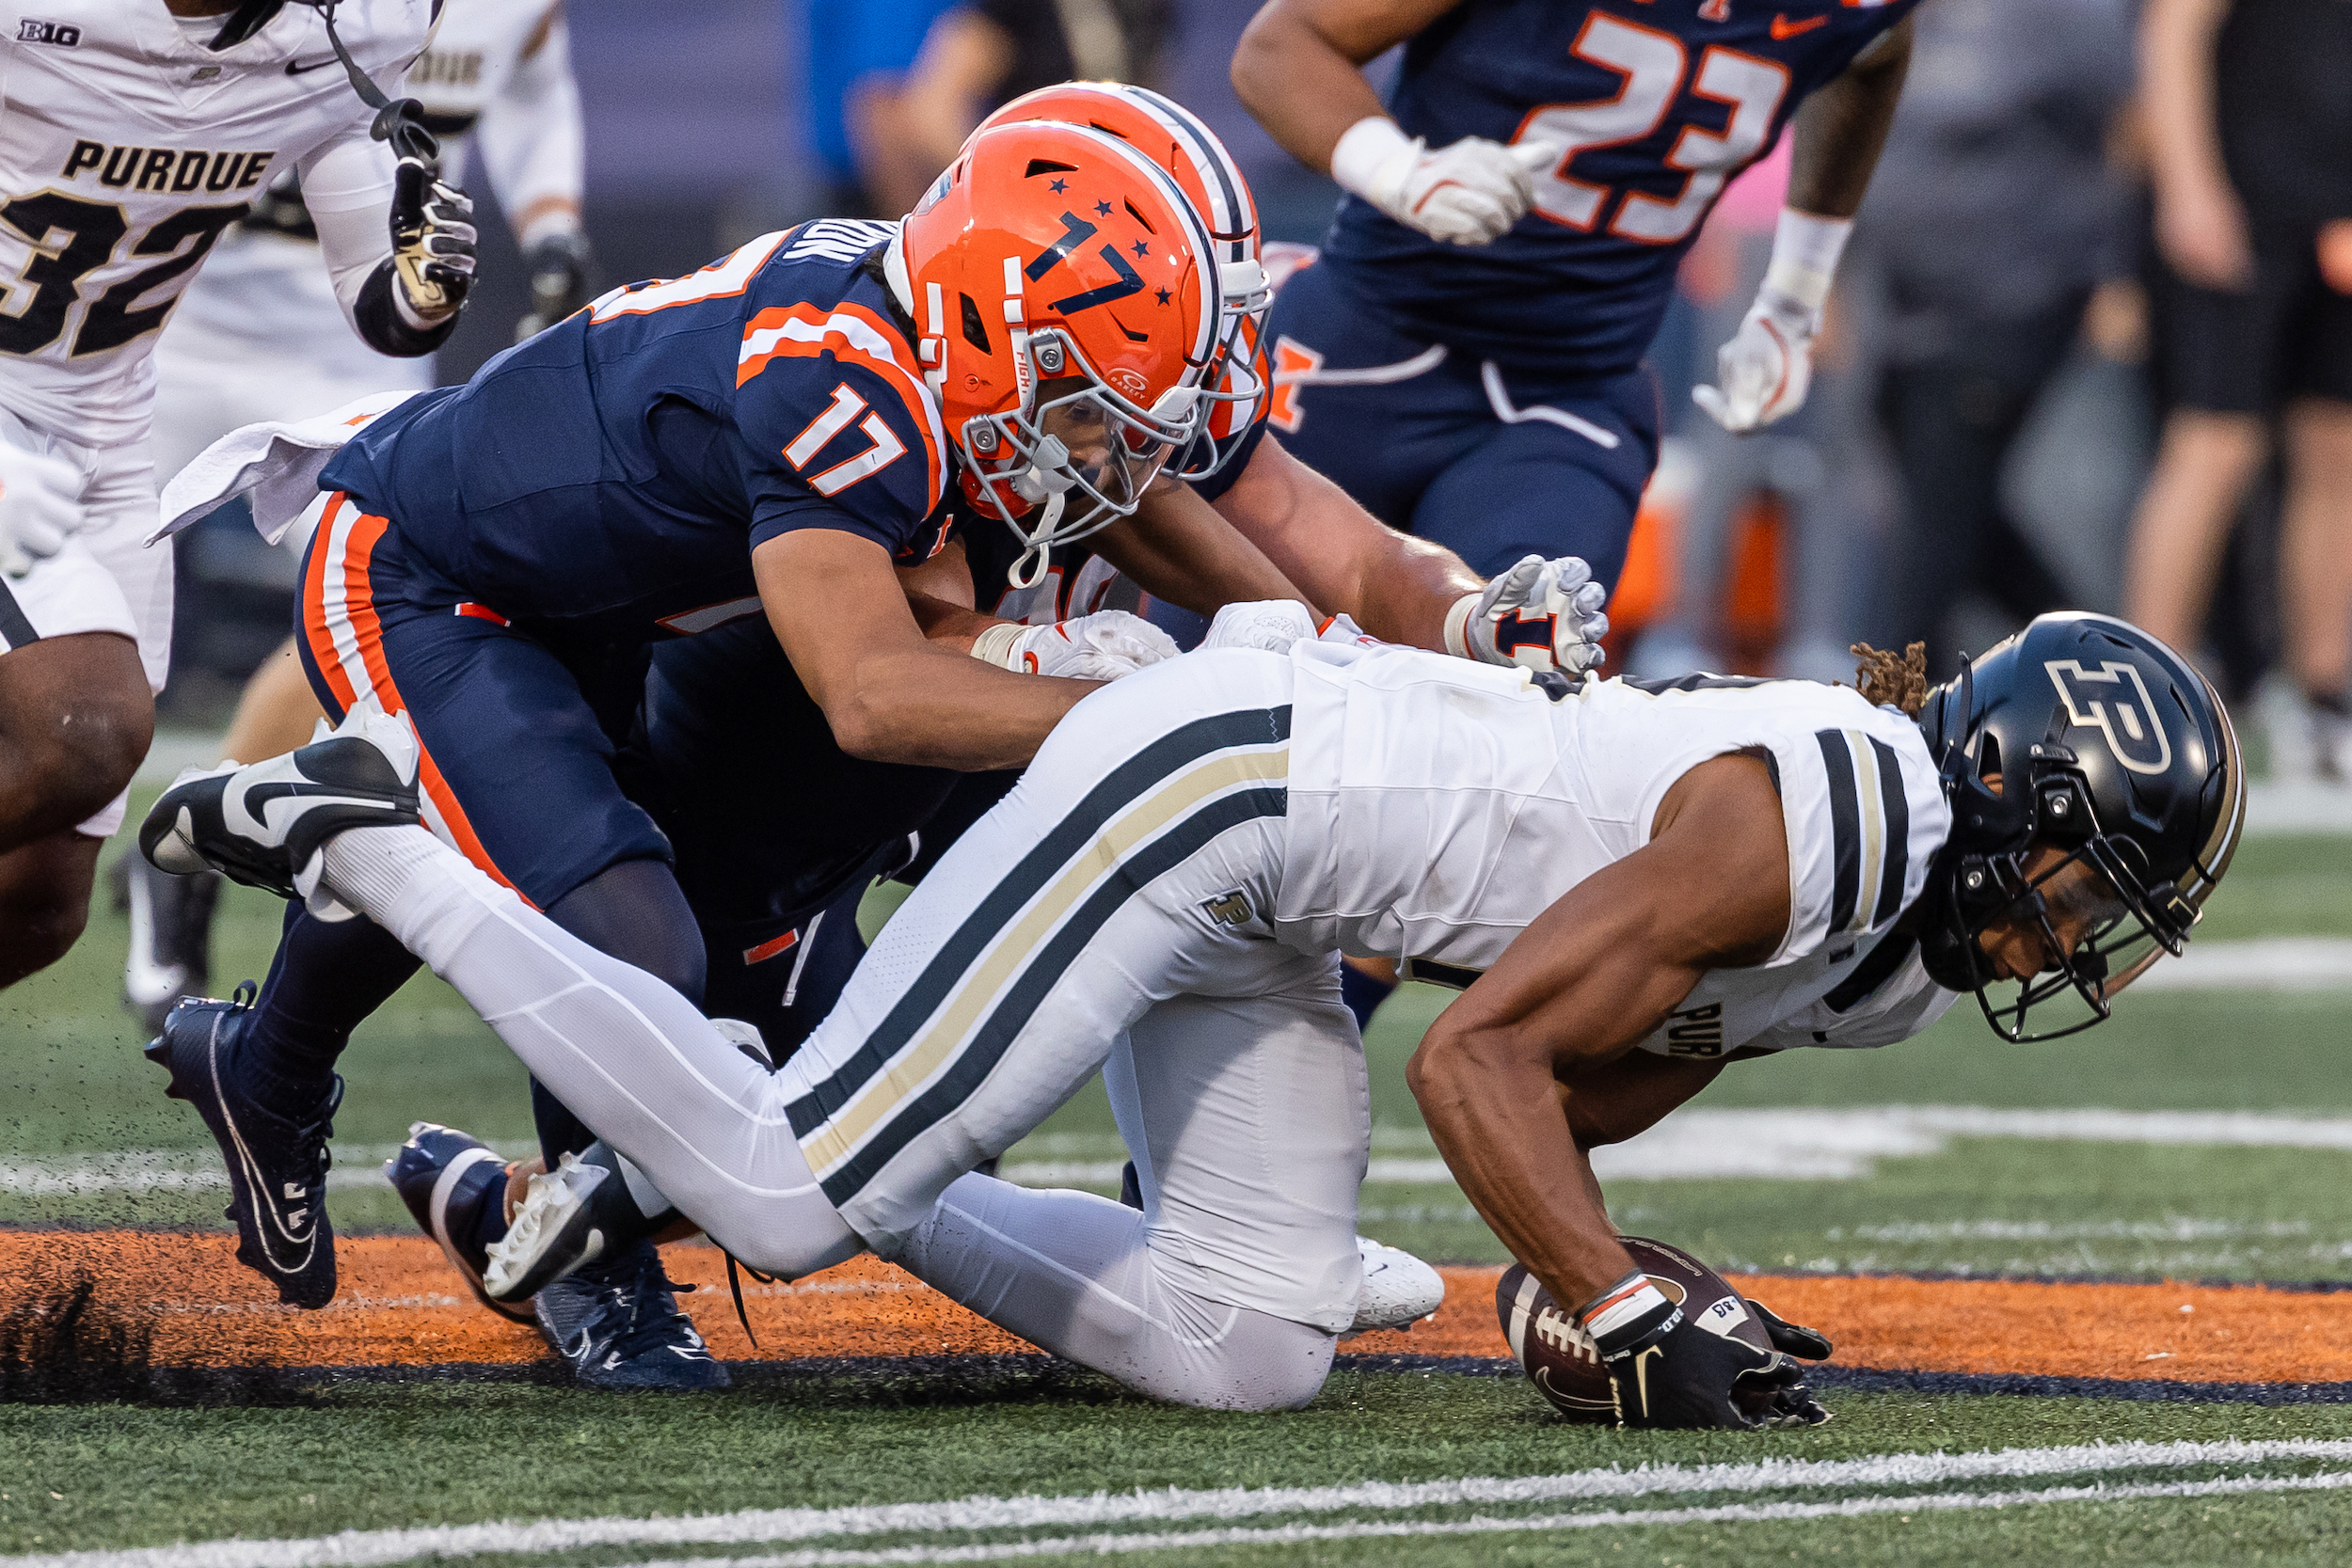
(1064, 292)
(1175, 138)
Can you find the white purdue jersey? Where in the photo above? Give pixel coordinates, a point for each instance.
(1437, 807)
(127, 148)
(261, 337)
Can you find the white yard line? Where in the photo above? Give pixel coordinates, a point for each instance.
(1734, 1513)
(1796, 1143)
(375, 1548)
(1833, 1145)
(2260, 963)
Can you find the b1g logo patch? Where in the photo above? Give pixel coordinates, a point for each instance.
(63, 34)
(2114, 700)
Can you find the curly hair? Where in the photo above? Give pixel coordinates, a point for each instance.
(1896, 680)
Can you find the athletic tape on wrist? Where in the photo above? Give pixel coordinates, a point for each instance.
(1627, 1314)
(1367, 159)
(1457, 626)
(1806, 248)
(994, 646)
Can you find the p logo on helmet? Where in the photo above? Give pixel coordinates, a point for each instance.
(2114, 699)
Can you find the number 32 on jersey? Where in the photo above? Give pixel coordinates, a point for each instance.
(1653, 65)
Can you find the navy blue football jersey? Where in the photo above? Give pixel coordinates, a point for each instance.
(1657, 104)
(615, 473)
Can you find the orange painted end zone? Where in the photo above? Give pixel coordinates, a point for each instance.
(400, 1304)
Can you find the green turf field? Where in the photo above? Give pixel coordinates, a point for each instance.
(84, 1137)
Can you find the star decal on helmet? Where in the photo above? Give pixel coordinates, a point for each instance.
(1142, 249)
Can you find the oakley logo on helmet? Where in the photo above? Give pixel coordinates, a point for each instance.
(2114, 699)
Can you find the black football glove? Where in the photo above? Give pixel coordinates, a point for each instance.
(1805, 1344)
(433, 241)
(559, 281)
(1792, 1404)
(1690, 1377)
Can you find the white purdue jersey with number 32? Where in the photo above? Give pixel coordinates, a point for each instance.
(127, 146)
(1437, 807)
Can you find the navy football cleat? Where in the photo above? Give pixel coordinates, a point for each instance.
(574, 1215)
(617, 1323)
(264, 824)
(440, 1172)
(277, 1162)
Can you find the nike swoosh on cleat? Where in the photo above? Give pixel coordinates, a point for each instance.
(1783, 28)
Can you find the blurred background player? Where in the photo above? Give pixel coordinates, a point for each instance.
(979, 55)
(1999, 212)
(1466, 356)
(135, 135)
(2250, 130)
(259, 337)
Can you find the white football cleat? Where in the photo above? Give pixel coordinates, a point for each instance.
(1399, 1289)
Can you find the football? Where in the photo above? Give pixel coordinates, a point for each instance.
(1560, 1358)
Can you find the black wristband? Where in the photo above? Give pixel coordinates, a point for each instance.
(383, 328)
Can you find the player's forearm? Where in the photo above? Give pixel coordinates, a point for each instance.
(2176, 48)
(933, 705)
(952, 627)
(1840, 129)
(1343, 559)
(1179, 550)
(531, 138)
(1298, 66)
(1488, 1098)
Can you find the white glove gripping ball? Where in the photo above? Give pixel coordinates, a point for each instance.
(1539, 615)
(39, 505)
(1098, 647)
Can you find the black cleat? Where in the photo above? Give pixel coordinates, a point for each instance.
(276, 1166)
(617, 1323)
(172, 936)
(440, 1172)
(264, 824)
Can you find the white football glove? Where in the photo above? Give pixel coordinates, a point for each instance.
(1766, 368)
(1270, 625)
(1098, 647)
(39, 505)
(1539, 615)
(1470, 192)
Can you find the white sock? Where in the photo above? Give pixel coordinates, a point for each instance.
(633, 1059)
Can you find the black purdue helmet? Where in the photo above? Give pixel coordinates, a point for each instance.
(2083, 733)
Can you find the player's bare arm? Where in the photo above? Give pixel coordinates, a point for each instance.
(1182, 550)
(1296, 70)
(890, 694)
(2200, 223)
(1299, 66)
(1398, 588)
(1765, 371)
(1588, 979)
(1840, 129)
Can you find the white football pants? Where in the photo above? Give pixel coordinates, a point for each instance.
(1117, 899)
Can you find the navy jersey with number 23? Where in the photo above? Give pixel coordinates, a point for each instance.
(1655, 104)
